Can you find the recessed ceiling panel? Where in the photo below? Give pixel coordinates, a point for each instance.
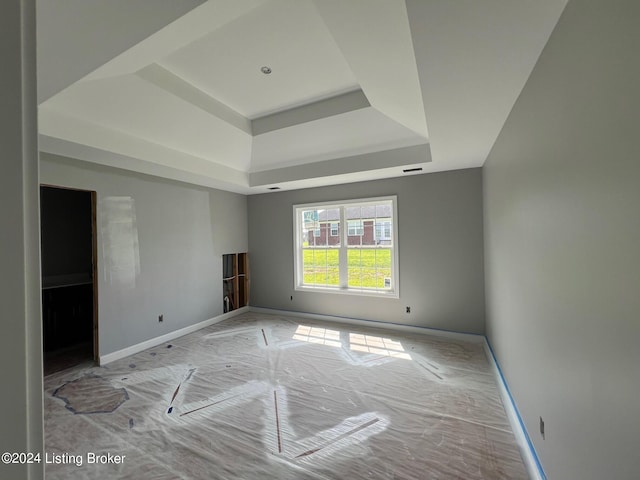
(352, 133)
(287, 36)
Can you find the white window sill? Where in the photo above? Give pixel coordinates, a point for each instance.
(349, 291)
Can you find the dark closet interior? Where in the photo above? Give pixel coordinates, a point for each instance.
(67, 247)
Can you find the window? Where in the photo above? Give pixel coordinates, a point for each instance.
(355, 228)
(383, 230)
(360, 259)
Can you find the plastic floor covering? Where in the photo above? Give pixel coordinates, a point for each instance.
(268, 397)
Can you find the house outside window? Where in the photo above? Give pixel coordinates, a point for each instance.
(360, 259)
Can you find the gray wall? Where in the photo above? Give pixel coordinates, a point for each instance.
(21, 337)
(160, 246)
(562, 237)
(440, 252)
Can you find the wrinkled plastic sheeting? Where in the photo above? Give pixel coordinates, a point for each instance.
(260, 396)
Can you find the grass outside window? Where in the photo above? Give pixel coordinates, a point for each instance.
(367, 267)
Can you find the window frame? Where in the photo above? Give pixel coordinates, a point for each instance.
(343, 288)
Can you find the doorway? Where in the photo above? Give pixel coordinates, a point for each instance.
(69, 281)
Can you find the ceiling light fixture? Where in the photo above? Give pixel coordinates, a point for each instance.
(266, 70)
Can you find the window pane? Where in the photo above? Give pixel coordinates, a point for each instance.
(354, 261)
(371, 222)
(321, 227)
(368, 267)
(308, 226)
(321, 267)
(330, 221)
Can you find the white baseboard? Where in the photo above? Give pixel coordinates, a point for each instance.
(470, 337)
(152, 342)
(527, 451)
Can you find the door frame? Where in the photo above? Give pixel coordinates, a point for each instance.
(94, 263)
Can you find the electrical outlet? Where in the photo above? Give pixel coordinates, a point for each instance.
(542, 427)
(160, 318)
(408, 309)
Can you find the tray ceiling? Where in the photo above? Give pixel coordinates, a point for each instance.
(384, 85)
